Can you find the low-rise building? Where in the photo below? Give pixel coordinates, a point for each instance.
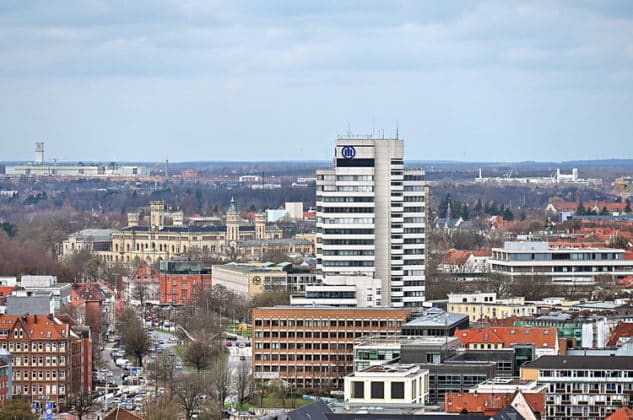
(341, 291)
(436, 322)
(391, 383)
(35, 284)
(544, 340)
(492, 396)
(564, 265)
(583, 387)
(254, 278)
(313, 346)
(481, 306)
(181, 280)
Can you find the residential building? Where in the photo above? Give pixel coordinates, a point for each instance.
(181, 280)
(465, 265)
(371, 218)
(566, 266)
(492, 396)
(313, 346)
(142, 286)
(544, 340)
(583, 387)
(51, 358)
(480, 306)
(391, 383)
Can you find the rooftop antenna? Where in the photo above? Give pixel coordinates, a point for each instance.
(397, 129)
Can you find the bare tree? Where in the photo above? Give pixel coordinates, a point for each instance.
(243, 382)
(188, 393)
(82, 403)
(222, 380)
(162, 370)
(198, 354)
(161, 408)
(133, 335)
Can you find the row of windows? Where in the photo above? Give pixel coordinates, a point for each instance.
(326, 323)
(345, 199)
(346, 231)
(347, 188)
(347, 220)
(348, 263)
(48, 361)
(349, 252)
(49, 375)
(291, 357)
(48, 347)
(345, 209)
(348, 241)
(316, 334)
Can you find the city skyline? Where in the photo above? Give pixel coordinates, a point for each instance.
(242, 81)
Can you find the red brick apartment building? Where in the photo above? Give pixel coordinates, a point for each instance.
(312, 347)
(51, 359)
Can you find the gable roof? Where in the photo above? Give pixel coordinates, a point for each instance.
(623, 330)
(488, 403)
(121, 414)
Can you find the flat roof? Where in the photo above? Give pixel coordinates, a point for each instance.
(582, 362)
(442, 319)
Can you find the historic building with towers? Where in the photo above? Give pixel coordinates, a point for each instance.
(167, 234)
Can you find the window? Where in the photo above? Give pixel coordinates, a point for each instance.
(358, 389)
(397, 390)
(377, 390)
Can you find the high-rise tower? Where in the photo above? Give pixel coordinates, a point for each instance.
(371, 219)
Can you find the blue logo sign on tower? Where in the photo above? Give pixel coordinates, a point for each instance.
(348, 152)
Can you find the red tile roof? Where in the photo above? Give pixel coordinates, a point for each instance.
(541, 337)
(624, 413)
(38, 327)
(622, 330)
(489, 403)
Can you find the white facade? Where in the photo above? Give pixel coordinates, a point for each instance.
(388, 384)
(371, 219)
(568, 266)
(346, 291)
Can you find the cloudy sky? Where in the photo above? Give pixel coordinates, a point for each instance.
(279, 80)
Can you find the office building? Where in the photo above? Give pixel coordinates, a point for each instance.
(563, 265)
(312, 347)
(371, 219)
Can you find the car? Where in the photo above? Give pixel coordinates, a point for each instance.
(229, 343)
(241, 344)
(242, 358)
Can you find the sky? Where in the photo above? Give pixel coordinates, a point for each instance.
(193, 80)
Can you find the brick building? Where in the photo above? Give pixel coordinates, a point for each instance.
(181, 279)
(51, 358)
(313, 346)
